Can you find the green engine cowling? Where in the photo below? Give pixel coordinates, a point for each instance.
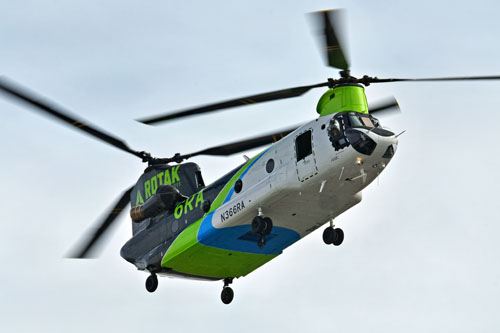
(343, 98)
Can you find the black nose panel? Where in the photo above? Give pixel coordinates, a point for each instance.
(361, 142)
(389, 153)
(382, 132)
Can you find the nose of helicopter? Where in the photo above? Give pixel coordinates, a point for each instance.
(376, 143)
(386, 143)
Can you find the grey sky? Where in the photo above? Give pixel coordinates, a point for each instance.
(421, 251)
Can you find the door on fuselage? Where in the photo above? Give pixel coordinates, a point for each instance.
(304, 153)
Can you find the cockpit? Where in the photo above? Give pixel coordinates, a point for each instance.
(345, 129)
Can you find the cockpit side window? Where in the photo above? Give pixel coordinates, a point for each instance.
(336, 132)
(303, 145)
(354, 121)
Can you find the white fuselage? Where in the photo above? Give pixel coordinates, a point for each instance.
(303, 195)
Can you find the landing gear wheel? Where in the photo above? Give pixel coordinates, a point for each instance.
(227, 295)
(333, 236)
(151, 283)
(261, 226)
(269, 226)
(329, 235)
(258, 225)
(339, 237)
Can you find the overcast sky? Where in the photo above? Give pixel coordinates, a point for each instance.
(421, 251)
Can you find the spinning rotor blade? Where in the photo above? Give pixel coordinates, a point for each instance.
(45, 107)
(329, 21)
(390, 105)
(253, 99)
(457, 78)
(239, 146)
(83, 250)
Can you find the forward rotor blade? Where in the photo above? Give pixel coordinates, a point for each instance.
(389, 105)
(457, 78)
(253, 99)
(330, 23)
(96, 233)
(239, 146)
(45, 107)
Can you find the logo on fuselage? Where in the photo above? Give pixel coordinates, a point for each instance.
(187, 205)
(166, 177)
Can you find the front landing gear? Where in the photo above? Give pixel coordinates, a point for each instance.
(152, 283)
(227, 293)
(333, 236)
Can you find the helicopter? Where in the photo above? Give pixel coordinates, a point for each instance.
(308, 176)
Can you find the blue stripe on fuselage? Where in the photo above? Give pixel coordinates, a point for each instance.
(238, 238)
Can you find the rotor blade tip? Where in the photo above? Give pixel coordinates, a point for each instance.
(145, 122)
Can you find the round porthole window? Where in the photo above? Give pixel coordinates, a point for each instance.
(175, 226)
(270, 166)
(238, 186)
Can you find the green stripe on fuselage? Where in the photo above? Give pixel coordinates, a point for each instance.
(207, 261)
(188, 256)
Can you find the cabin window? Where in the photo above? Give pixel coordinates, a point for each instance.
(238, 186)
(303, 145)
(199, 179)
(270, 166)
(175, 226)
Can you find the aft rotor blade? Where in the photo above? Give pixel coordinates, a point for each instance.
(94, 235)
(239, 146)
(44, 106)
(329, 22)
(253, 99)
(457, 78)
(389, 105)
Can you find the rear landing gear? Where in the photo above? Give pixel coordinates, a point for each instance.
(333, 236)
(227, 293)
(152, 283)
(262, 226)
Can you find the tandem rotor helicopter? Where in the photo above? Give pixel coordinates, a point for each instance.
(308, 176)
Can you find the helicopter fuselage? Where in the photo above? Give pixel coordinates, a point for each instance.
(301, 182)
